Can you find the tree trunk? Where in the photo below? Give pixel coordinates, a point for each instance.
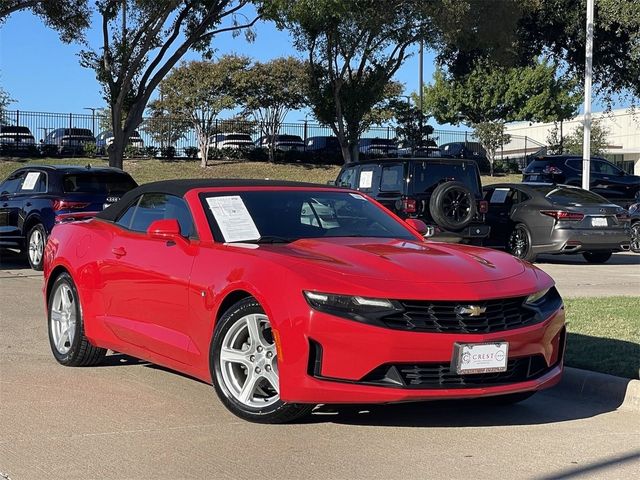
(346, 153)
(116, 150)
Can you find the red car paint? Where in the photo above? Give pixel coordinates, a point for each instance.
(160, 304)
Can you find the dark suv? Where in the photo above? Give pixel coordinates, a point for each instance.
(606, 179)
(445, 193)
(31, 197)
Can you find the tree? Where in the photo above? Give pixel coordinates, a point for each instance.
(412, 128)
(271, 90)
(5, 101)
(164, 129)
(599, 139)
(152, 38)
(69, 17)
(198, 91)
(354, 48)
(492, 137)
(491, 95)
(525, 29)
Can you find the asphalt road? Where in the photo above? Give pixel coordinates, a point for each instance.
(129, 419)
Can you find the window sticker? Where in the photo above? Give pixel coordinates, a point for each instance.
(233, 218)
(366, 179)
(499, 195)
(30, 181)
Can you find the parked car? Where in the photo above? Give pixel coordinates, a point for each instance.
(328, 145)
(444, 193)
(32, 196)
(69, 141)
(606, 179)
(105, 139)
(634, 213)
(378, 146)
(470, 150)
(234, 141)
(282, 143)
(17, 140)
(224, 281)
(528, 219)
(428, 149)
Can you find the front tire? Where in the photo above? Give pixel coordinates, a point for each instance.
(244, 366)
(36, 240)
(519, 243)
(69, 345)
(635, 237)
(597, 257)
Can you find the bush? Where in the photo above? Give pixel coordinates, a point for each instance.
(90, 149)
(191, 152)
(49, 150)
(131, 151)
(168, 152)
(150, 151)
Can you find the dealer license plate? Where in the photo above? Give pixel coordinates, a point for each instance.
(533, 178)
(599, 222)
(470, 358)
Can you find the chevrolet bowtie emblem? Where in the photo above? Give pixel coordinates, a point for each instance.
(470, 310)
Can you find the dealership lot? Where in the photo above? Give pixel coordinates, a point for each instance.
(129, 419)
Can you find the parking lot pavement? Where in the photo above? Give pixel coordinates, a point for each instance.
(128, 419)
(577, 278)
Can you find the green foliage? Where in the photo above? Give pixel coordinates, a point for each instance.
(354, 48)
(271, 89)
(199, 91)
(191, 152)
(573, 142)
(492, 137)
(412, 129)
(69, 17)
(237, 124)
(131, 151)
(5, 101)
(130, 64)
(163, 128)
(90, 149)
(150, 151)
(168, 151)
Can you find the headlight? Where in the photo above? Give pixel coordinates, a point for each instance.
(361, 309)
(535, 297)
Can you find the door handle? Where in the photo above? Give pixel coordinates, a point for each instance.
(28, 204)
(5, 204)
(119, 251)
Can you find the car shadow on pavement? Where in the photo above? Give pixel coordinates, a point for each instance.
(550, 406)
(616, 259)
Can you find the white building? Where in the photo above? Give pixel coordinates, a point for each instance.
(623, 135)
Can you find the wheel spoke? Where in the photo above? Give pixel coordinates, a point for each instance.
(231, 355)
(249, 387)
(62, 339)
(254, 330)
(272, 378)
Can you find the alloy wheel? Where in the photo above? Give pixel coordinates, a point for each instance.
(63, 319)
(518, 243)
(635, 237)
(36, 246)
(456, 205)
(248, 362)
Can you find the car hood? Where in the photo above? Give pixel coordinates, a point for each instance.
(398, 260)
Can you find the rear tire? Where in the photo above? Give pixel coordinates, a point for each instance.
(597, 257)
(635, 237)
(69, 345)
(519, 243)
(244, 367)
(36, 241)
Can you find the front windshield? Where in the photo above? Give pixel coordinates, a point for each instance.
(268, 216)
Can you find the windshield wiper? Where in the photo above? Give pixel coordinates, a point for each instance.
(270, 239)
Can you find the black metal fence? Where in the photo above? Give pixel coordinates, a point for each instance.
(162, 133)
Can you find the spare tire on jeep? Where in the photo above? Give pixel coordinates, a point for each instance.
(452, 205)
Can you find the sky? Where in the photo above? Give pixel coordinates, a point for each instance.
(43, 74)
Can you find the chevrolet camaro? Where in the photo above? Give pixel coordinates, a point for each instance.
(287, 295)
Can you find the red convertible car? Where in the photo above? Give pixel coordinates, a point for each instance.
(286, 295)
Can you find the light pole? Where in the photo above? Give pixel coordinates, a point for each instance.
(588, 69)
(93, 118)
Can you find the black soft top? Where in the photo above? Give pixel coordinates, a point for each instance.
(180, 187)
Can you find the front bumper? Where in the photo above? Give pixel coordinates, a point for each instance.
(346, 362)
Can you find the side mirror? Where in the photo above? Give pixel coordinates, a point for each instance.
(419, 226)
(166, 229)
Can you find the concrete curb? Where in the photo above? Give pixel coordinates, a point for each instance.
(624, 392)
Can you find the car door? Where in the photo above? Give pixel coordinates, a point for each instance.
(146, 280)
(501, 201)
(609, 181)
(10, 208)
